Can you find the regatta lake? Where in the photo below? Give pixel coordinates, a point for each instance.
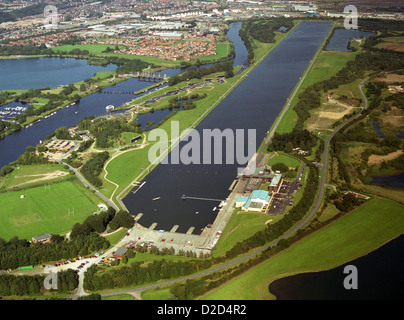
(255, 103)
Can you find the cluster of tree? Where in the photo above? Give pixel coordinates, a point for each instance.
(381, 26)
(244, 34)
(129, 65)
(396, 99)
(138, 273)
(20, 285)
(18, 252)
(29, 157)
(121, 219)
(85, 145)
(94, 223)
(25, 50)
(186, 101)
(297, 138)
(107, 131)
(397, 163)
(5, 170)
(10, 285)
(72, 40)
(199, 73)
(73, 52)
(341, 168)
(5, 96)
(62, 133)
(351, 46)
(348, 201)
(280, 166)
(375, 88)
(264, 30)
(8, 127)
(109, 49)
(93, 167)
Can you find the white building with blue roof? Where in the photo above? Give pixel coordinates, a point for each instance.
(257, 201)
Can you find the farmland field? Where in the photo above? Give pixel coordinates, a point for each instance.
(46, 209)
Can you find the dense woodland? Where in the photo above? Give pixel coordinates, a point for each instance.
(302, 139)
(93, 168)
(106, 131)
(11, 285)
(262, 30)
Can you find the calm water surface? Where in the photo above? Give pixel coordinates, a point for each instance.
(380, 276)
(253, 104)
(44, 72)
(74, 70)
(340, 38)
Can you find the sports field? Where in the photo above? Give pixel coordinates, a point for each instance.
(46, 209)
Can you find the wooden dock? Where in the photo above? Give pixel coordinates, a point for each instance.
(198, 198)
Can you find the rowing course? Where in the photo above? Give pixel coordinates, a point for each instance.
(253, 104)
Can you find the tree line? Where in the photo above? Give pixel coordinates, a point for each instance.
(11, 285)
(199, 73)
(139, 273)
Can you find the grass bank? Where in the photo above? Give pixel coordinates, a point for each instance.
(359, 232)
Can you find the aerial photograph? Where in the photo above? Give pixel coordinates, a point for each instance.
(201, 157)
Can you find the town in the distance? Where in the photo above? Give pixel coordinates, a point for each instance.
(201, 150)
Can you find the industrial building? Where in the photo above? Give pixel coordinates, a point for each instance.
(120, 252)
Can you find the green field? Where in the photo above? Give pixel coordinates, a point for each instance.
(240, 227)
(91, 48)
(283, 158)
(356, 234)
(51, 209)
(327, 64)
(26, 175)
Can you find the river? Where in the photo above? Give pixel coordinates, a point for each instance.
(253, 104)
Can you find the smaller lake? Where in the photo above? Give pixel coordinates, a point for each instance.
(380, 276)
(394, 180)
(340, 38)
(43, 72)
